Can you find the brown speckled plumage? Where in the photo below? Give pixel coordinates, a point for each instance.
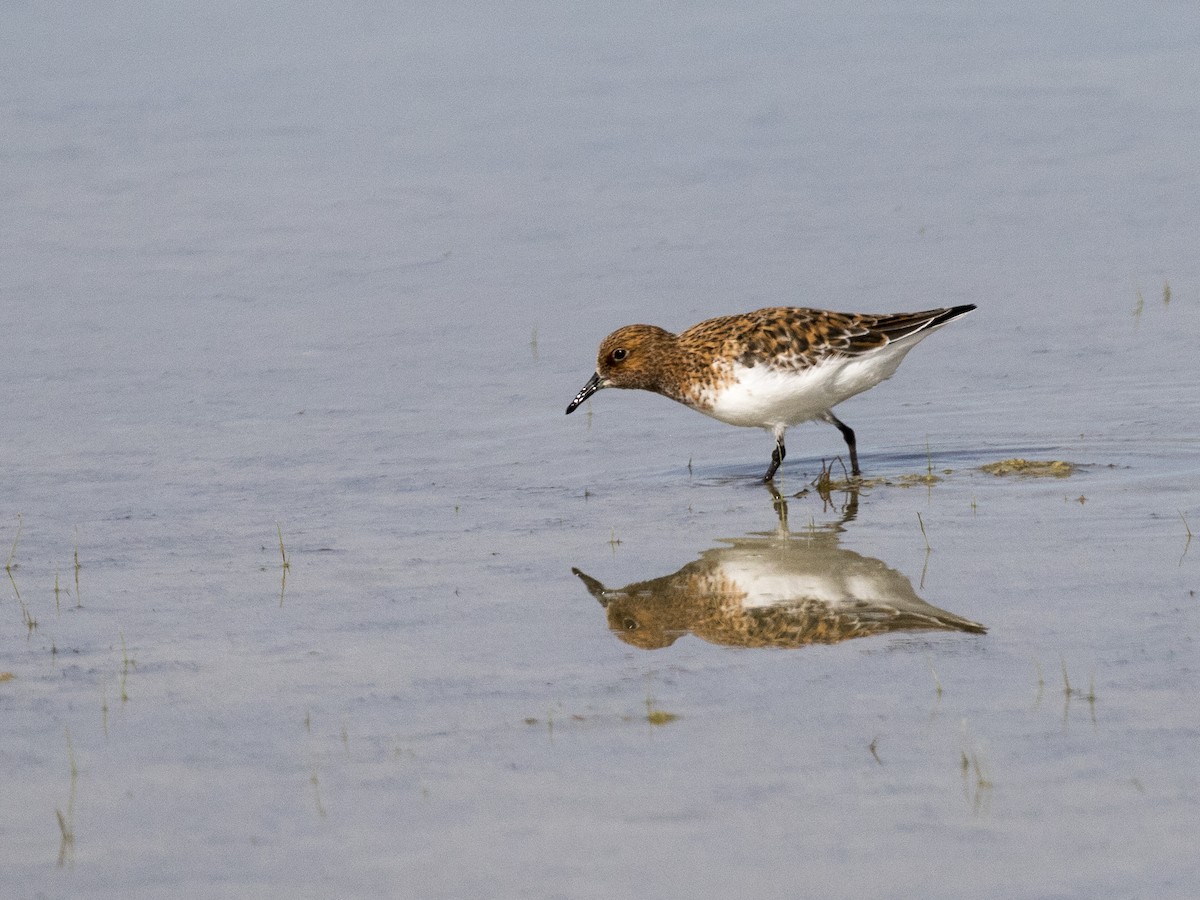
(770, 368)
(818, 594)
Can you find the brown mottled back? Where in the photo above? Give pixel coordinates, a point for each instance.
(797, 337)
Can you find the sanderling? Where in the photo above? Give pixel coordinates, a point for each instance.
(770, 369)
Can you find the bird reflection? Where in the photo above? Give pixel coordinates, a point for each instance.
(772, 590)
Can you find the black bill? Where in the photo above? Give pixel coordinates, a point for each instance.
(590, 388)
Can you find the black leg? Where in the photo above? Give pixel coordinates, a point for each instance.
(777, 456)
(848, 434)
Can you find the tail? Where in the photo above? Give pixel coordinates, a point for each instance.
(899, 326)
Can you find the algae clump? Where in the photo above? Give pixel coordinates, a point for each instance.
(1031, 468)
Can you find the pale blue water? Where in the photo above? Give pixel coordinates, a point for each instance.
(338, 271)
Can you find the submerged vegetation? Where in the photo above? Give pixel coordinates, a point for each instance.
(1030, 468)
(656, 716)
(285, 565)
(66, 821)
(824, 483)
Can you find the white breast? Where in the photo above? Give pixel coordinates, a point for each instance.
(762, 397)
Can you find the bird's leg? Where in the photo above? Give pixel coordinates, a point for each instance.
(777, 456)
(848, 434)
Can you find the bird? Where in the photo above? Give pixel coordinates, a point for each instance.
(771, 368)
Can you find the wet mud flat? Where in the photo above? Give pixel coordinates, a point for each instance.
(974, 663)
(310, 588)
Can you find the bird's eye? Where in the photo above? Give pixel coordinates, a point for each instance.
(619, 354)
(629, 624)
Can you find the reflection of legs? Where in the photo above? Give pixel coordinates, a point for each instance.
(779, 504)
(848, 434)
(777, 456)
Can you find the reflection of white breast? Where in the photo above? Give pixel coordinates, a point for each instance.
(791, 573)
(765, 584)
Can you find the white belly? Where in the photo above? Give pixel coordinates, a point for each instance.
(762, 397)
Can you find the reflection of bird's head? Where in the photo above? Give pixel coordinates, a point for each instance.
(634, 624)
(631, 618)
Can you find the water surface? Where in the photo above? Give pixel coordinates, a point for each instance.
(332, 276)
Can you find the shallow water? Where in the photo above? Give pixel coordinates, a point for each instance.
(334, 277)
